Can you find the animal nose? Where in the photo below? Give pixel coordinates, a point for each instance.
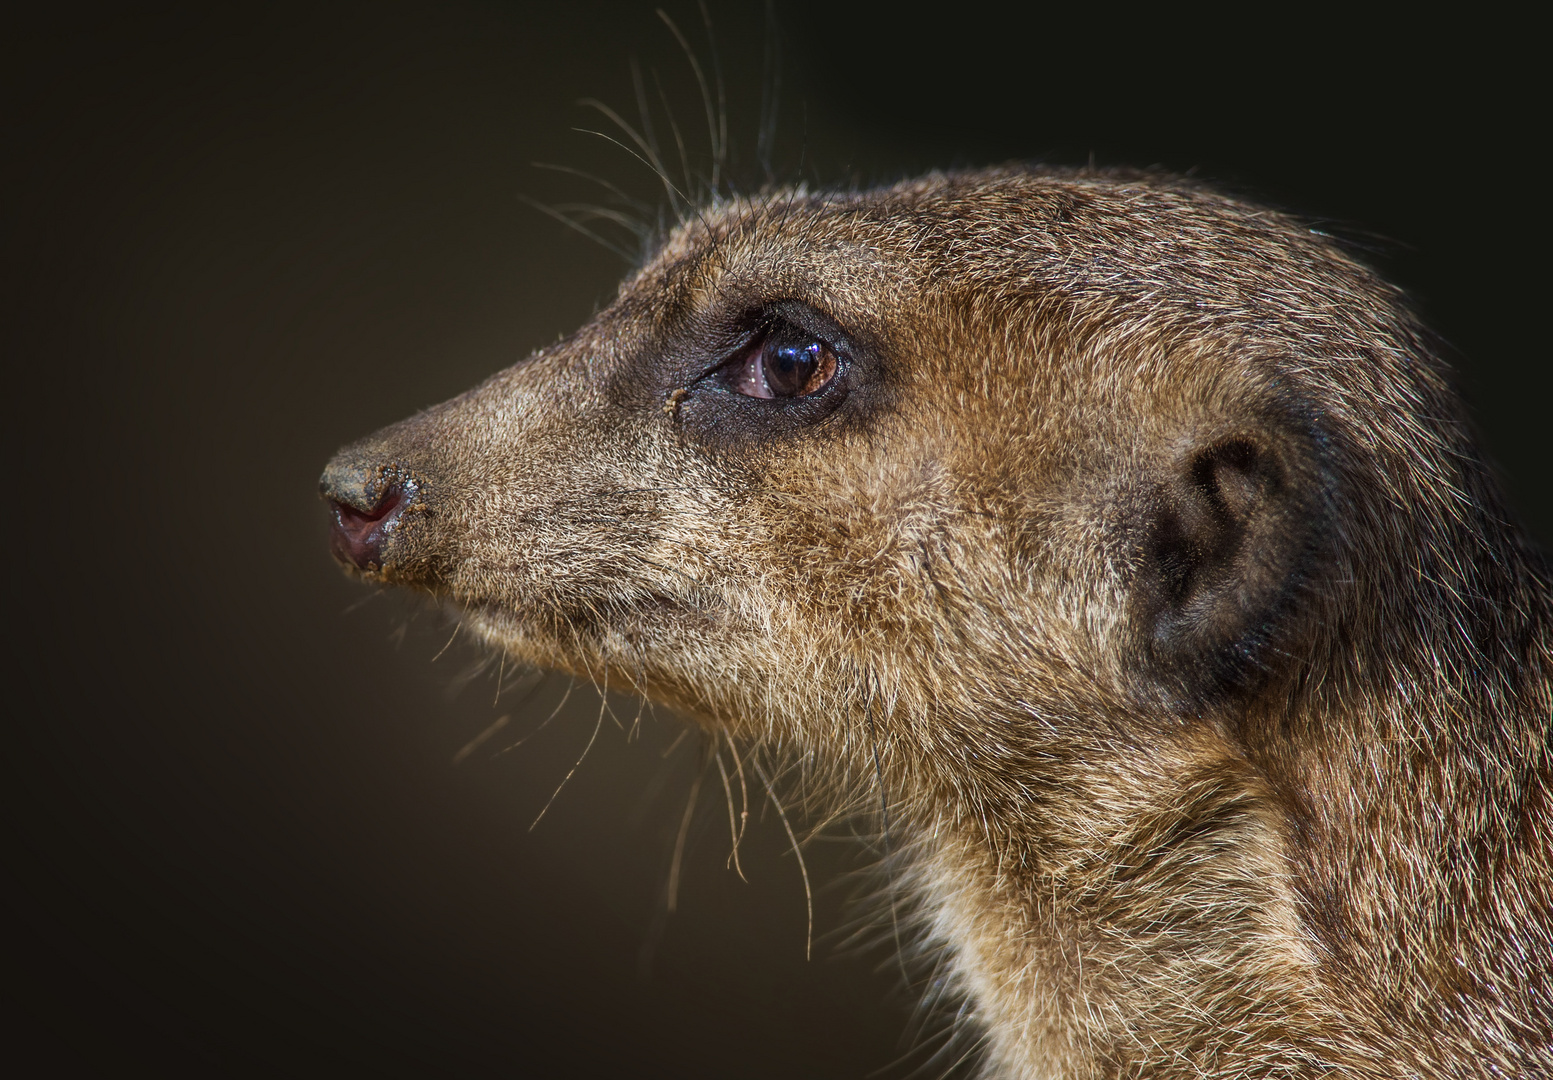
(365, 512)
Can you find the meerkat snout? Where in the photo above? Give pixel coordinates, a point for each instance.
(1122, 540)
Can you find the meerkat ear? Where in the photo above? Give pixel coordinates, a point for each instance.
(1224, 550)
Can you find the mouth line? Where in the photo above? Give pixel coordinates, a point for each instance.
(595, 623)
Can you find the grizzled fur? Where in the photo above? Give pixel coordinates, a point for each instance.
(1140, 551)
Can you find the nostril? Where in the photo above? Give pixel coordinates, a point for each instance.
(357, 535)
(360, 519)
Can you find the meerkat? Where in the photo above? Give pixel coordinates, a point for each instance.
(1123, 540)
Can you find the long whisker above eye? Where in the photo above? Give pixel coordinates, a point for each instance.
(582, 174)
(583, 212)
(720, 161)
(770, 96)
(706, 99)
(679, 139)
(648, 156)
(643, 111)
(577, 226)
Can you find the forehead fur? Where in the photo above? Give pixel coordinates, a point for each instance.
(1133, 267)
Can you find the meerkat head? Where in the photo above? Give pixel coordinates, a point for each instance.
(1125, 537)
(1067, 445)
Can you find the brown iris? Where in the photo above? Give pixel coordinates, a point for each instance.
(782, 366)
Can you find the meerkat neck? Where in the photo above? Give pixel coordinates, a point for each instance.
(1158, 909)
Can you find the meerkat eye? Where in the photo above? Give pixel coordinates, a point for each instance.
(783, 365)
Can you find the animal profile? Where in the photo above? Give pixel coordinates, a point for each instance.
(1120, 541)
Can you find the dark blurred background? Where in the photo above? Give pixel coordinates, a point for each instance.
(238, 236)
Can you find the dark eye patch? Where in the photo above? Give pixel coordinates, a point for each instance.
(790, 368)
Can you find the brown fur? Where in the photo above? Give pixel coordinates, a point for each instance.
(1146, 561)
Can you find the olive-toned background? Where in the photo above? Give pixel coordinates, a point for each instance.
(237, 238)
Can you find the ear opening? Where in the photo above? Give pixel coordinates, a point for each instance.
(1228, 542)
